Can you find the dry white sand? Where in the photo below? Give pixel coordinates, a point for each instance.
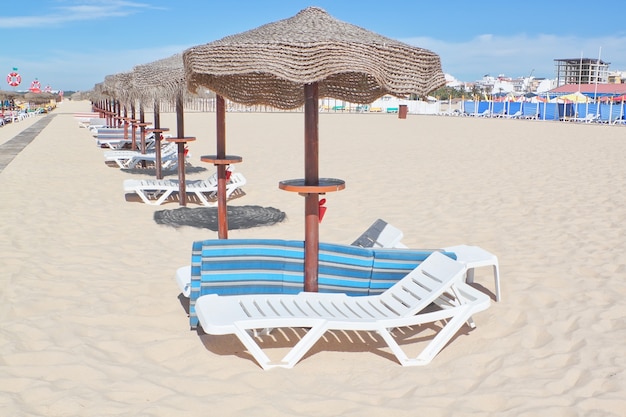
(91, 323)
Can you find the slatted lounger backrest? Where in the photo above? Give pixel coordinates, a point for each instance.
(391, 265)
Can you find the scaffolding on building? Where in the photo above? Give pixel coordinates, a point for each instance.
(581, 71)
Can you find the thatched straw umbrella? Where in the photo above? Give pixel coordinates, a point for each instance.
(112, 90)
(164, 80)
(7, 95)
(39, 98)
(118, 89)
(294, 62)
(97, 95)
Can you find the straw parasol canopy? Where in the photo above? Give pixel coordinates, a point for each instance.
(114, 90)
(39, 98)
(97, 93)
(120, 86)
(294, 62)
(160, 80)
(9, 95)
(270, 64)
(164, 80)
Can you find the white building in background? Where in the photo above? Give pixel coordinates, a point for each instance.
(617, 77)
(453, 82)
(504, 85)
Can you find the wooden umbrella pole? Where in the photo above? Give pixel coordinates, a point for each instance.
(116, 110)
(142, 130)
(311, 177)
(180, 133)
(157, 140)
(111, 111)
(119, 114)
(125, 123)
(222, 214)
(133, 127)
(107, 108)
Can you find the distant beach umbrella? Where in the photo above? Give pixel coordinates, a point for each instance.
(39, 98)
(164, 80)
(161, 80)
(8, 95)
(119, 86)
(116, 89)
(7, 98)
(294, 62)
(576, 97)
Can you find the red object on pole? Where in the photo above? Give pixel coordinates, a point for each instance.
(322, 209)
(311, 177)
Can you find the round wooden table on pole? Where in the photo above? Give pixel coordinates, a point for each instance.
(182, 194)
(157, 150)
(311, 194)
(142, 138)
(221, 164)
(109, 116)
(133, 130)
(127, 121)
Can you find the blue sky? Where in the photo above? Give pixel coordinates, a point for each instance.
(74, 44)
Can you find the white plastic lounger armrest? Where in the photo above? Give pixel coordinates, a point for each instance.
(183, 279)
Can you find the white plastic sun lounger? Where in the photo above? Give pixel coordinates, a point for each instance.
(437, 280)
(169, 159)
(122, 158)
(156, 192)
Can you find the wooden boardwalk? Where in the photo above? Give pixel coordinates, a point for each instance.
(14, 146)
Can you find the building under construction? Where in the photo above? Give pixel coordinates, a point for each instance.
(581, 71)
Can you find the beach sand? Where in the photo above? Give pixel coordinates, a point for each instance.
(91, 323)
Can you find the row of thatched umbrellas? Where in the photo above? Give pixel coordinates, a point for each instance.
(286, 64)
(35, 98)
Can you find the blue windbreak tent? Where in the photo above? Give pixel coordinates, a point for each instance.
(530, 109)
(514, 107)
(482, 106)
(498, 107)
(475, 107)
(469, 107)
(612, 111)
(609, 112)
(550, 111)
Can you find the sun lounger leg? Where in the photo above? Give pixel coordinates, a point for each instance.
(295, 354)
(204, 200)
(162, 196)
(453, 322)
